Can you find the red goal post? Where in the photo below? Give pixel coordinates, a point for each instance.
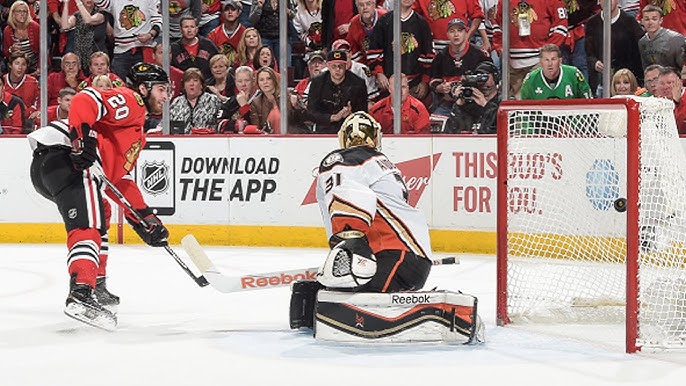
(587, 228)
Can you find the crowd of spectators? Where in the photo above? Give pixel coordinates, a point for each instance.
(224, 59)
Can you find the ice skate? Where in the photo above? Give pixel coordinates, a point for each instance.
(82, 305)
(107, 299)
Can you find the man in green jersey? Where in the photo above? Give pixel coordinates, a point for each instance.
(554, 80)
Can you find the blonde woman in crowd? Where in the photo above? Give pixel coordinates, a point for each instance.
(247, 47)
(221, 83)
(624, 83)
(22, 34)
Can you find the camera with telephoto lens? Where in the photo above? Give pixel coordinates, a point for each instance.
(469, 82)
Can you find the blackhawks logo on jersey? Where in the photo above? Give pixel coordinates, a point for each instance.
(523, 9)
(175, 8)
(408, 43)
(440, 9)
(571, 5)
(131, 17)
(230, 52)
(667, 5)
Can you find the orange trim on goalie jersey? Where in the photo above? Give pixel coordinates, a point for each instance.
(393, 271)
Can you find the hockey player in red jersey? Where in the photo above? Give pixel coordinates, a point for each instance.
(105, 127)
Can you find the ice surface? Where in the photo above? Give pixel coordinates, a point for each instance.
(172, 332)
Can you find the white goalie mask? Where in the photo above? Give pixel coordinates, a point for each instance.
(360, 129)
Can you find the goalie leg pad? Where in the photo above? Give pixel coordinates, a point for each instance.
(402, 317)
(303, 297)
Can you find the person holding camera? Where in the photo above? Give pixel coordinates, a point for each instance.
(477, 100)
(459, 57)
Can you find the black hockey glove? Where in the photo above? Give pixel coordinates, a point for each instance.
(153, 232)
(351, 241)
(84, 150)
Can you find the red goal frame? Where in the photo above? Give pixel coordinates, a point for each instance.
(632, 227)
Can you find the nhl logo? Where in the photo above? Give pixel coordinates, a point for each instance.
(155, 177)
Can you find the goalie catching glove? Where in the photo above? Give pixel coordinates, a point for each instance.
(152, 231)
(349, 264)
(84, 147)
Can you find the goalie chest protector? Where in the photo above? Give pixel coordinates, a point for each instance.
(402, 317)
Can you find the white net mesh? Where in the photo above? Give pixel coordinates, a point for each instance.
(566, 241)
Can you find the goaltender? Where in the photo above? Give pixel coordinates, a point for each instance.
(379, 242)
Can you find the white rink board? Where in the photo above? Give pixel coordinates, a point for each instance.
(459, 194)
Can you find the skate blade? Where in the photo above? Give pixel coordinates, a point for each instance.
(91, 317)
(113, 308)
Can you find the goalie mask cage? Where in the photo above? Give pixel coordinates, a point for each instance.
(591, 217)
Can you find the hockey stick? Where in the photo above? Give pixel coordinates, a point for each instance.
(223, 283)
(199, 280)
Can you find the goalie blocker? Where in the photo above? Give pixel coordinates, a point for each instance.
(399, 317)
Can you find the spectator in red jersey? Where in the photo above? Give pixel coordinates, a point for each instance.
(99, 64)
(361, 28)
(11, 112)
(439, 15)
(414, 117)
(247, 47)
(23, 85)
(88, 31)
(22, 35)
(70, 76)
(336, 16)
(192, 50)
(670, 87)
(542, 22)
(228, 35)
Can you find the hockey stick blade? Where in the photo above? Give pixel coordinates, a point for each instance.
(227, 284)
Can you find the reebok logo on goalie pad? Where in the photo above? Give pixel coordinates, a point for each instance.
(410, 299)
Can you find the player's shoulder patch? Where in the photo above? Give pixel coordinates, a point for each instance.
(579, 75)
(139, 99)
(331, 159)
(347, 157)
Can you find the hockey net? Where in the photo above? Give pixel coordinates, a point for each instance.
(591, 217)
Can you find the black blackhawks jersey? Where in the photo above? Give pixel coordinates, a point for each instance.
(359, 188)
(449, 68)
(416, 47)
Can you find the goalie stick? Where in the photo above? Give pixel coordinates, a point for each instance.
(199, 280)
(227, 284)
